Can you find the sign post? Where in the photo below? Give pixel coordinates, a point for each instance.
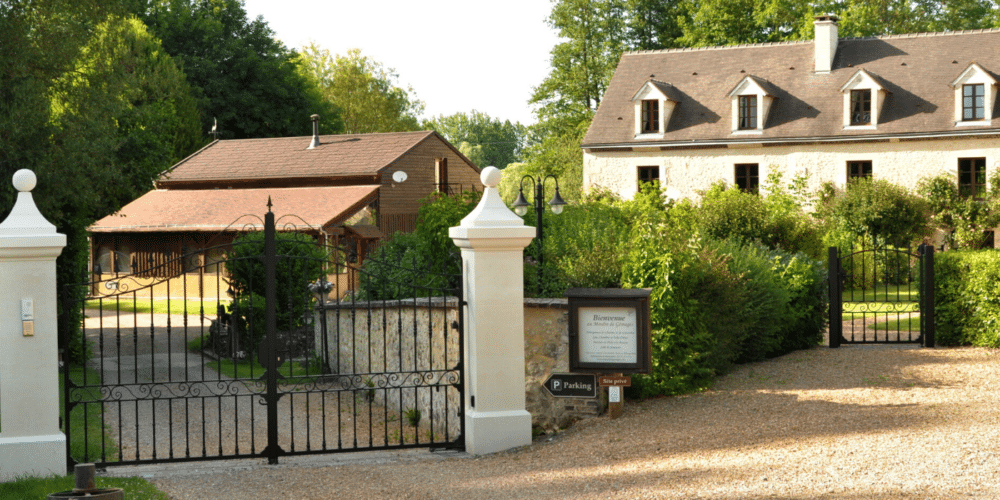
(614, 383)
(609, 333)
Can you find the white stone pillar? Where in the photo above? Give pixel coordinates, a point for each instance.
(31, 442)
(492, 240)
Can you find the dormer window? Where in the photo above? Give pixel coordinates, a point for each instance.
(748, 112)
(654, 103)
(752, 99)
(975, 93)
(973, 102)
(864, 96)
(861, 107)
(650, 116)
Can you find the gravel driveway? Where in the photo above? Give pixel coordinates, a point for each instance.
(859, 422)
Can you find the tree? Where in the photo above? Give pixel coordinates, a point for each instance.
(582, 66)
(241, 76)
(881, 211)
(129, 106)
(363, 89)
(730, 22)
(653, 24)
(92, 105)
(484, 140)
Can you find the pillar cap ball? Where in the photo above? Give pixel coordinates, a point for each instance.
(490, 176)
(24, 180)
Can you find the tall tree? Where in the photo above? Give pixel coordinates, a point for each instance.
(653, 24)
(93, 106)
(729, 22)
(582, 65)
(129, 106)
(365, 91)
(484, 140)
(241, 75)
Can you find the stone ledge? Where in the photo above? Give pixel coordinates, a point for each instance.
(553, 303)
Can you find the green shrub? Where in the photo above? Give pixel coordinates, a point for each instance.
(967, 298)
(415, 264)
(300, 262)
(777, 220)
(716, 303)
(881, 211)
(584, 248)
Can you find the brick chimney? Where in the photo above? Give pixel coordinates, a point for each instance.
(825, 42)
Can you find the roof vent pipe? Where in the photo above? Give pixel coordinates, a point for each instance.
(315, 141)
(825, 42)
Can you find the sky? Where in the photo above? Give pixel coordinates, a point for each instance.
(457, 55)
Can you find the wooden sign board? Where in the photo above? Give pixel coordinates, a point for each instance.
(609, 330)
(615, 381)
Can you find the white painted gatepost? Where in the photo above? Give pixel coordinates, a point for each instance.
(31, 443)
(492, 240)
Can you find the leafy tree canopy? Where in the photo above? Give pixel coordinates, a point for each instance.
(365, 91)
(240, 75)
(484, 140)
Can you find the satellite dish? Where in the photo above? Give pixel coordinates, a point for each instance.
(399, 176)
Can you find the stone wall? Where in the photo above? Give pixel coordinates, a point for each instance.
(396, 352)
(685, 171)
(546, 351)
(366, 340)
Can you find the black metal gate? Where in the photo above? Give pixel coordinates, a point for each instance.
(263, 347)
(881, 294)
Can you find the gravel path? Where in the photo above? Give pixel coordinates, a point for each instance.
(859, 422)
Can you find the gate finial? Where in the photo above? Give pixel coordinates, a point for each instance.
(268, 203)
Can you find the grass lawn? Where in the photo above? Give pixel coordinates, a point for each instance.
(911, 324)
(81, 424)
(160, 306)
(42, 487)
(250, 368)
(884, 299)
(87, 421)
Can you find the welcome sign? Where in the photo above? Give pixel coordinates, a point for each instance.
(609, 330)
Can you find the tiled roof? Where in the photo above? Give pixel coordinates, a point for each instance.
(237, 209)
(915, 69)
(345, 155)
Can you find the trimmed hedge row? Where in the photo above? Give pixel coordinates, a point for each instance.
(967, 298)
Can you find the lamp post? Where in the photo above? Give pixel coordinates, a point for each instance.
(521, 207)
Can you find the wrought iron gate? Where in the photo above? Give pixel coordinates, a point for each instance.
(881, 294)
(272, 350)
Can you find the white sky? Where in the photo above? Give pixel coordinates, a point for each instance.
(457, 55)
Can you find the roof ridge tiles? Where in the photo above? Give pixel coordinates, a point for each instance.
(924, 34)
(716, 47)
(803, 42)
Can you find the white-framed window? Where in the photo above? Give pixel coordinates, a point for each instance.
(751, 102)
(864, 96)
(654, 104)
(975, 95)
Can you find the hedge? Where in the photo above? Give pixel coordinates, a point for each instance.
(967, 298)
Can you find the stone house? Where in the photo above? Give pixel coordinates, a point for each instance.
(898, 108)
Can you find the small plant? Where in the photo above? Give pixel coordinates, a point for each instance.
(412, 416)
(370, 393)
(314, 363)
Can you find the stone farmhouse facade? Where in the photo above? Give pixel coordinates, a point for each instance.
(898, 108)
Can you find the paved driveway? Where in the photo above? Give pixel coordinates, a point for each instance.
(854, 423)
